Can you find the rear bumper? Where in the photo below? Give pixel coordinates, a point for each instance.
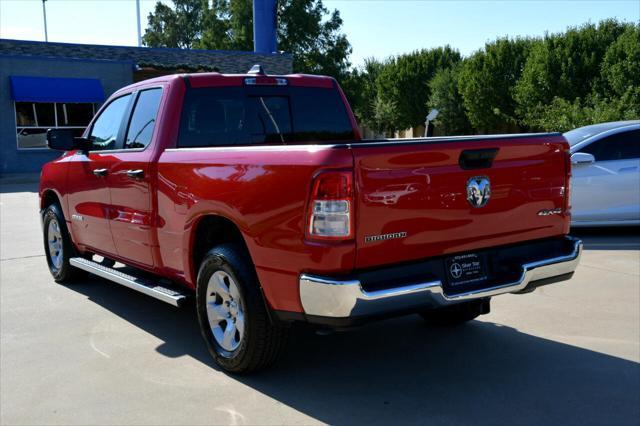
(328, 300)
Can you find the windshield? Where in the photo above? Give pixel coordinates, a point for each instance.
(580, 134)
(576, 136)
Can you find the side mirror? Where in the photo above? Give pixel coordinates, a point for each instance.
(65, 140)
(581, 158)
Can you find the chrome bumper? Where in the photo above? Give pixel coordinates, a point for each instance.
(326, 297)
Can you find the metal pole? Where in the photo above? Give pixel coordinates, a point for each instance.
(138, 21)
(264, 26)
(44, 14)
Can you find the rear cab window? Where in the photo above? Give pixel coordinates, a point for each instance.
(258, 115)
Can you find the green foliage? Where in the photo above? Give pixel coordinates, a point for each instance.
(180, 27)
(561, 115)
(240, 32)
(385, 116)
(447, 99)
(565, 66)
(312, 34)
(621, 64)
(486, 82)
(586, 75)
(404, 82)
(361, 91)
(305, 28)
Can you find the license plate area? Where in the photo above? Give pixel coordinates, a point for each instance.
(464, 270)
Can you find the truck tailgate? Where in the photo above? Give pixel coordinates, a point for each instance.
(411, 200)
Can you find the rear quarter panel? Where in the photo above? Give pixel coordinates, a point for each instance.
(264, 191)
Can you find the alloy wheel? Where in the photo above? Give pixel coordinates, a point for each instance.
(225, 311)
(54, 239)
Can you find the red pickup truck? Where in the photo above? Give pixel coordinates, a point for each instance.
(256, 194)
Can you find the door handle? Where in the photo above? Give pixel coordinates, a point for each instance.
(135, 174)
(100, 172)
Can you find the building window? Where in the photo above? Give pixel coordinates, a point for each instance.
(34, 118)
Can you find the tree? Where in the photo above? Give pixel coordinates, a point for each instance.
(385, 116)
(305, 28)
(621, 63)
(317, 45)
(240, 15)
(565, 66)
(361, 91)
(403, 82)
(486, 82)
(446, 98)
(181, 27)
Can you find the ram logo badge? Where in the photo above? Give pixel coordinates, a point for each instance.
(478, 191)
(383, 237)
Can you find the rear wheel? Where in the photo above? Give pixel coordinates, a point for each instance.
(232, 314)
(58, 247)
(457, 314)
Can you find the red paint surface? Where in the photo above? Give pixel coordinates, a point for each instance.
(265, 190)
(420, 189)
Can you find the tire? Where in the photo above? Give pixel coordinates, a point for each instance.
(58, 247)
(227, 295)
(457, 314)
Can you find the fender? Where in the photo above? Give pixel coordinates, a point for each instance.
(189, 238)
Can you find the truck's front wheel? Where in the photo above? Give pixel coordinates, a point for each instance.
(58, 246)
(232, 314)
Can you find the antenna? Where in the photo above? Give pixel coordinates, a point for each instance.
(257, 69)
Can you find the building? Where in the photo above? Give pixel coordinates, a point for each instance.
(46, 85)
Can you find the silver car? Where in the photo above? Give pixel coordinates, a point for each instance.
(605, 187)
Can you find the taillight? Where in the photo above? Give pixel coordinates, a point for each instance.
(331, 206)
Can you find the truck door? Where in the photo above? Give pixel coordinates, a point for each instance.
(130, 182)
(88, 194)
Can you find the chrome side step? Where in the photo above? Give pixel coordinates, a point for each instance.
(141, 285)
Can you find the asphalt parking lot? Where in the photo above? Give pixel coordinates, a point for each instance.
(97, 353)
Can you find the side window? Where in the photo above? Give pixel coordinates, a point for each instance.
(621, 146)
(143, 119)
(105, 129)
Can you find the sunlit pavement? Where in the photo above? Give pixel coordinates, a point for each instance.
(97, 353)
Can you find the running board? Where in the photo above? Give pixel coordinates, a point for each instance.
(141, 285)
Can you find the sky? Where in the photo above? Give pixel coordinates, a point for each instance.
(375, 28)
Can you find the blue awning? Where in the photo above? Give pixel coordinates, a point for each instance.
(49, 89)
